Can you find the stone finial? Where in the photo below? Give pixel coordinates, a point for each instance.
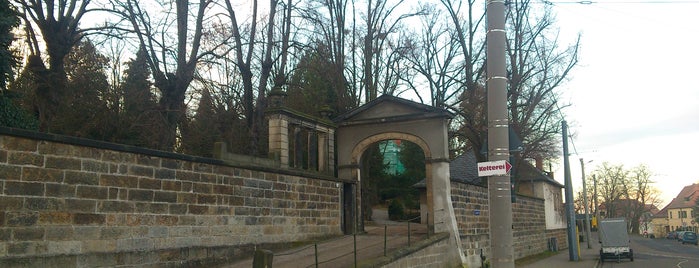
(276, 97)
(325, 111)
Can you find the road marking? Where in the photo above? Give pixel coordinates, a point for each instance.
(679, 263)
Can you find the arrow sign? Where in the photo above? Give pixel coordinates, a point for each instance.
(494, 168)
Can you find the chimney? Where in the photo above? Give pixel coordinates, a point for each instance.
(539, 163)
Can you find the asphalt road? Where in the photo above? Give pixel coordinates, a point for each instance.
(659, 252)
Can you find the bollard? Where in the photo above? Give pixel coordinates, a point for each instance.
(263, 259)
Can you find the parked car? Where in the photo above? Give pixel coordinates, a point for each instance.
(670, 235)
(689, 238)
(679, 236)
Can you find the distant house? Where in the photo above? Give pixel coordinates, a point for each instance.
(639, 216)
(680, 211)
(659, 222)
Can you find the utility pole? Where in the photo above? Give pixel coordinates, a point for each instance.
(499, 190)
(594, 180)
(570, 211)
(587, 216)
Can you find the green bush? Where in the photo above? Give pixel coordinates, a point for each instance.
(396, 210)
(12, 115)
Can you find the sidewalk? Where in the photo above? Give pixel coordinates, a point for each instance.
(588, 258)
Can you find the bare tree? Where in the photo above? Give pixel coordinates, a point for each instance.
(57, 24)
(641, 196)
(381, 46)
(172, 54)
(537, 67)
(245, 49)
(610, 181)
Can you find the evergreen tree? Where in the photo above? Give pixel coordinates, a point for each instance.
(200, 134)
(314, 85)
(8, 59)
(138, 118)
(83, 111)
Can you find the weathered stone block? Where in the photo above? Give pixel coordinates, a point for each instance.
(170, 163)
(42, 174)
(95, 166)
(92, 192)
(24, 188)
(148, 160)
(152, 208)
(13, 173)
(24, 218)
(60, 233)
(171, 185)
(42, 203)
(64, 247)
(111, 232)
(60, 190)
(83, 178)
(147, 183)
(22, 248)
(25, 158)
(165, 196)
(166, 220)
(18, 144)
(80, 205)
(177, 209)
(199, 210)
(88, 218)
(206, 199)
(28, 234)
(64, 163)
(165, 174)
(10, 203)
(187, 175)
(141, 171)
(140, 195)
(116, 206)
(118, 181)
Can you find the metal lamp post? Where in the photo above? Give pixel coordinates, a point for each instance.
(587, 216)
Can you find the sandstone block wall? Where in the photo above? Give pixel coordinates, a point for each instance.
(81, 205)
(530, 235)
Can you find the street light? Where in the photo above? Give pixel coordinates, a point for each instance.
(587, 216)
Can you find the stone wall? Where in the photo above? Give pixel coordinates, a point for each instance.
(71, 202)
(431, 255)
(530, 235)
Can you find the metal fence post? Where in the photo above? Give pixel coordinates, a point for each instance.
(408, 233)
(385, 239)
(315, 246)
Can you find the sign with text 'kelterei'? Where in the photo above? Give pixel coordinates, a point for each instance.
(494, 168)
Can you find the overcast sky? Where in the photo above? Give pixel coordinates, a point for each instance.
(634, 96)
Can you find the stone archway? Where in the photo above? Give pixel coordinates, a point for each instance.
(363, 146)
(389, 117)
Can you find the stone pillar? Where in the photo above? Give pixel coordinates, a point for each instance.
(279, 138)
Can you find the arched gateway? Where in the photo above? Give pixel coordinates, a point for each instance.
(387, 118)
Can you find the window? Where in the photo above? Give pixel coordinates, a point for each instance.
(683, 214)
(670, 214)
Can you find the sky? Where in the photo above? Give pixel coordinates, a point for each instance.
(633, 96)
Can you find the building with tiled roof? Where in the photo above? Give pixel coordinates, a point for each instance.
(659, 222)
(680, 212)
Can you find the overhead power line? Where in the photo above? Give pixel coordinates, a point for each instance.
(587, 2)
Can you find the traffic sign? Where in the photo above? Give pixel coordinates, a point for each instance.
(494, 168)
